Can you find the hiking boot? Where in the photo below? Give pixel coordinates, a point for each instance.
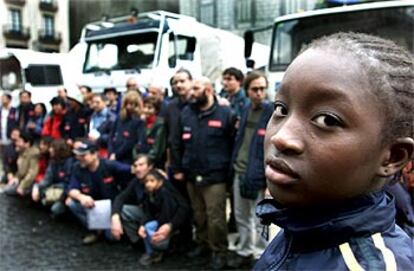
(147, 259)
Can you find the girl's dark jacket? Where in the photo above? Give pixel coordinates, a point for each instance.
(358, 235)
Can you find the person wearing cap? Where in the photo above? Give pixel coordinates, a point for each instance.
(92, 178)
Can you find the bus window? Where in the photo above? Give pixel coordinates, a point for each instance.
(10, 74)
(44, 75)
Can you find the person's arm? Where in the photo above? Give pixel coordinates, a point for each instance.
(47, 179)
(75, 193)
(177, 148)
(127, 195)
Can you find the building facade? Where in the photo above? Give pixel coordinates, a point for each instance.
(41, 25)
(238, 16)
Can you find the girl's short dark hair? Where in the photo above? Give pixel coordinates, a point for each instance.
(156, 174)
(154, 102)
(61, 149)
(390, 71)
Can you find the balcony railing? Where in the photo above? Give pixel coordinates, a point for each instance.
(50, 37)
(21, 33)
(50, 6)
(16, 2)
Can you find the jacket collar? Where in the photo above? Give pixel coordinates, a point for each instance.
(329, 225)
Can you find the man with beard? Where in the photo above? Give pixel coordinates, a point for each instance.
(203, 147)
(92, 179)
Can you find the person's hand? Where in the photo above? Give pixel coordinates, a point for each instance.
(162, 233)
(35, 194)
(20, 191)
(112, 157)
(87, 201)
(141, 232)
(116, 227)
(223, 101)
(11, 180)
(179, 176)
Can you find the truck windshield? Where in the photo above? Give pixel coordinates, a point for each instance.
(290, 36)
(135, 51)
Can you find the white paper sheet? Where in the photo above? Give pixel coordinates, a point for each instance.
(99, 217)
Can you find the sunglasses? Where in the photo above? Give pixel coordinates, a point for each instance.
(257, 89)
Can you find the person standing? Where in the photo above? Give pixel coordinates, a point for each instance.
(202, 151)
(249, 181)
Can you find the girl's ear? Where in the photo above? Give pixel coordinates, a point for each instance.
(400, 152)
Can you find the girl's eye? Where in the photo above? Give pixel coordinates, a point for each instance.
(328, 120)
(280, 110)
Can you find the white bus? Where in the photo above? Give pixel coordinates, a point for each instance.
(389, 19)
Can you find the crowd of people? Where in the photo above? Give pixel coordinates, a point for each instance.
(168, 164)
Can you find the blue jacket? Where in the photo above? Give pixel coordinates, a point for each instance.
(57, 174)
(255, 167)
(124, 136)
(101, 184)
(358, 235)
(204, 144)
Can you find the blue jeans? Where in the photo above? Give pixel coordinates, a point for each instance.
(80, 212)
(150, 228)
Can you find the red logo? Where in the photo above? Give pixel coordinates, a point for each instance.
(67, 127)
(126, 134)
(108, 180)
(261, 132)
(61, 174)
(215, 123)
(150, 140)
(82, 121)
(85, 190)
(31, 113)
(12, 116)
(186, 136)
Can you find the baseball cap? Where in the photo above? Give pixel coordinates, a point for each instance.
(85, 147)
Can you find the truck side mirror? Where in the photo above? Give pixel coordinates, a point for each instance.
(250, 63)
(248, 43)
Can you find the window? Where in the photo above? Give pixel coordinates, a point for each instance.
(135, 51)
(48, 25)
(15, 20)
(44, 75)
(207, 12)
(244, 10)
(180, 47)
(47, 1)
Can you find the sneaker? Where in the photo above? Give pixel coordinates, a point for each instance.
(90, 239)
(147, 259)
(237, 261)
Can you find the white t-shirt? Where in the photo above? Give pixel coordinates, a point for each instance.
(4, 116)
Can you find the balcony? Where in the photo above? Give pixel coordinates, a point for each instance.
(16, 2)
(49, 6)
(21, 34)
(48, 37)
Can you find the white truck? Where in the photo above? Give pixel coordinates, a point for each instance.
(39, 73)
(152, 46)
(389, 19)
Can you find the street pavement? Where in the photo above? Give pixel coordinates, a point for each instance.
(30, 239)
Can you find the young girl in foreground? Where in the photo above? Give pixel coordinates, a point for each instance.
(341, 127)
